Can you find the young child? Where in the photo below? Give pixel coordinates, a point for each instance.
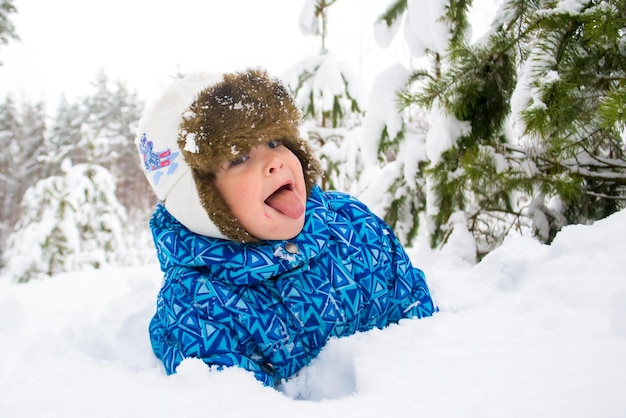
(261, 266)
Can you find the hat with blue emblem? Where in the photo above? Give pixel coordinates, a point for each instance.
(203, 121)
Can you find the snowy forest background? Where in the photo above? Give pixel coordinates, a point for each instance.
(521, 131)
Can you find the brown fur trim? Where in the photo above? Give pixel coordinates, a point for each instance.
(230, 118)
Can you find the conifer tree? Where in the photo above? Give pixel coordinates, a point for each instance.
(22, 130)
(533, 116)
(110, 116)
(9, 187)
(392, 145)
(572, 95)
(67, 222)
(326, 90)
(7, 29)
(98, 128)
(32, 143)
(373, 154)
(63, 136)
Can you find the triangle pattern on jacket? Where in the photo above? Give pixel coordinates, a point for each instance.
(269, 310)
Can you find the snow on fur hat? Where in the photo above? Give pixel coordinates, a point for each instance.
(202, 122)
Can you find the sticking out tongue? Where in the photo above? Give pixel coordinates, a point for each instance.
(286, 201)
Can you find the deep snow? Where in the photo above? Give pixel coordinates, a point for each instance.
(532, 330)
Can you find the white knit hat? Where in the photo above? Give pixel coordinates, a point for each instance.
(163, 164)
(223, 114)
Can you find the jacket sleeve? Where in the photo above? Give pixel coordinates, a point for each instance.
(409, 295)
(182, 328)
(419, 303)
(409, 288)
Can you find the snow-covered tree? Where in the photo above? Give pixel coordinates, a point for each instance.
(68, 222)
(377, 153)
(324, 89)
(527, 123)
(63, 136)
(7, 29)
(32, 143)
(392, 145)
(568, 107)
(98, 128)
(110, 116)
(8, 186)
(22, 142)
(327, 91)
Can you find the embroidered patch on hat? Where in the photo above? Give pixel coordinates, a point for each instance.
(154, 161)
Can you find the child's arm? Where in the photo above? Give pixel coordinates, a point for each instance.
(408, 290)
(181, 329)
(419, 302)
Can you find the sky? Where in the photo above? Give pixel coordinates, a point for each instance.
(531, 330)
(63, 44)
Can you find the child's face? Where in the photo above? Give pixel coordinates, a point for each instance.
(265, 190)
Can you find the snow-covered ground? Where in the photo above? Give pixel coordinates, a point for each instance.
(532, 330)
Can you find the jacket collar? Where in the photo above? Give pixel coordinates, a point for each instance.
(239, 263)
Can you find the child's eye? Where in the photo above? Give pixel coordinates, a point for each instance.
(239, 160)
(275, 143)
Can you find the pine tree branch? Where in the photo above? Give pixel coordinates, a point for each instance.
(393, 12)
(606, 196)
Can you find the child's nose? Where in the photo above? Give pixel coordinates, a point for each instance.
(273, 163)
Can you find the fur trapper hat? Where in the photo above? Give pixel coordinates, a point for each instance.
(203, 122)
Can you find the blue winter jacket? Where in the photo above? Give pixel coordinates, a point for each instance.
(270, 308)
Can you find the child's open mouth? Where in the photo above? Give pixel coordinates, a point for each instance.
(286, 201)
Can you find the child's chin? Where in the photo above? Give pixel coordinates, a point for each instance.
(289, 229)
